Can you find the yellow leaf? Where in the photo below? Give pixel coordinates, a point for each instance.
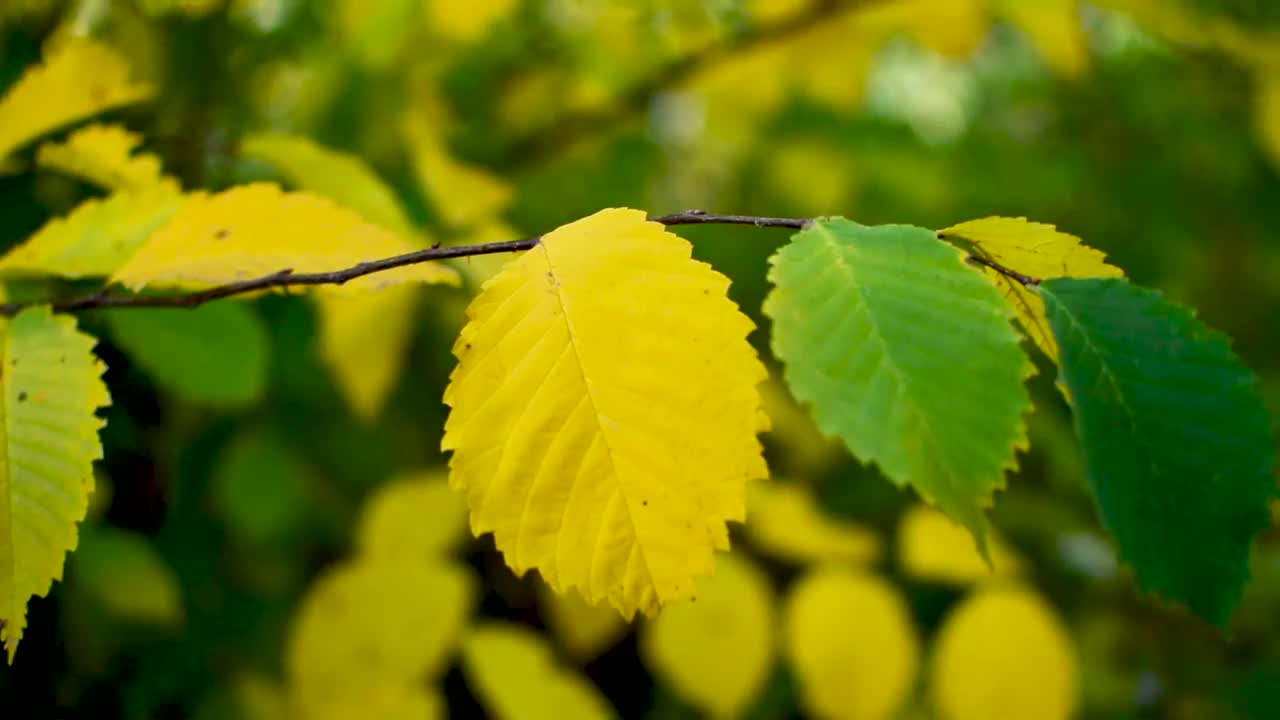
(605, 411)
(583, 630)
(851, 644)
(373, 620)
(466, 22)
(1003, 652)
(103, 155)
(77, 79)
(364, 339)
(412, 519)
(1267, 112)
(52, 386)
(96, 238)
(342, 177)
(716, 652)
(462, 195)
(258, 229)
(512, 671)
(784, 520)
(933, 548)
(1033, 249)
(1054, 26)
(954, 28)
(377, 700)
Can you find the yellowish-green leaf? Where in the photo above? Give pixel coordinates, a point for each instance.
(785, 521)
(96, 238)
(78, 78)
(376, 34)
(1267, 113)
(933, 548)
(258, 229)
(1035, 249)
(605, 411)
(376, 700)
(104, 155)
(51, 389)
(372, 621)
(851, 644)
(513, 673)
(414, 518)
(342, 177)
(467, 21)
(716, 652)
(582, 629)
(1003, 652)
(364, 339)
(122, 572)
(463, 195)
(1054, 26)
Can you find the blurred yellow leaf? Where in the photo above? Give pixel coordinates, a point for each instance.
(1034, 249)
(466, 22)
(342, 177)
(372, 622)
(785, 521)
(258, 229)
(378, 700)
(807, 451)
(413, 518)
(189, 8)
(97, 237)
(933, 548)
(582, 629)
(716, 652)
(813, 176)
(364, 339)
(78, 78)
(513, 673)
(767, 12)
(608, 460)
(462, 195)
(103, 155)
(1268, 112)
(122, 572)
(954, 28)
(1003, 652)
(1054, 26)
(851, 644)
(376, 33)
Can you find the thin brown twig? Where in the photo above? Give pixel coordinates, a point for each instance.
(286, 278)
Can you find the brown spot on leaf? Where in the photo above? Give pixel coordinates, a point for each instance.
(22, 396)
(222, 234)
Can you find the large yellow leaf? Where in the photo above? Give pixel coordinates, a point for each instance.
(605, 411)
(933, 548)
(851, 644)
(1003, 653)
(582, 629)
(786, 522)
(377, 700)
(716, 652)
(513, 673)
(1034, 249)
(374, 621)
(257, 229)
(103, 155)
(78, 78)
(413, 518)
(96, 238)
(51, 388)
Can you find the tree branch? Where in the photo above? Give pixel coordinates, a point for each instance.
(549, 140)
(287, 278)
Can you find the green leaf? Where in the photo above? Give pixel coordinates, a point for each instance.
(214, 355)
(906, 354)
(122, 572)
(50, 390)
(1177, 445)
(260, 489)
